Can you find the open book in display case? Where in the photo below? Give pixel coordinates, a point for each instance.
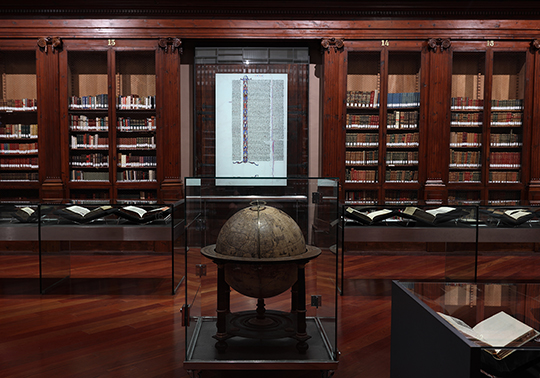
(433, 336)
(53, 233)
(470, 236)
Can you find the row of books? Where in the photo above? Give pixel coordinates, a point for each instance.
(19, 162)
(362, 176)
(466, 119)
(403, 100)
(130, 124)
(17, 130)
(18, 148)
(94, 160)
(466, 139)
(505, 140)
(361, 139)
(135, 175)
(371, 99)
(505, 160)
(100, 101)
(402, 120)
(78, 175)
(465, 176)
(464, 159)
(85, 123)
(401, 176)
(511, 104)
(506, 119)
(362, 157)
(401, 157)
(504, 177)
(463, 198)
(468, 103)
(361, 197)
(363, 99)
(19, 176)
(136, 161)
(89, 141)
(399, 197)
(362, 121)
(403, 140)
(136, 102)
(137, 142)
(23, 104)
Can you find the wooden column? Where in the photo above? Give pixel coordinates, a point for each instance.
(437, 120)
(334, 89)
(50, 133)
(168, 115)
(534, 183)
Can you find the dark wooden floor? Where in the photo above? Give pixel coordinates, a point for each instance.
(118, 319)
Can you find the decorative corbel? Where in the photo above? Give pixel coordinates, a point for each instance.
(535, 45)
(173, 43)
(443, 43)
(55, 42)
(327, 43)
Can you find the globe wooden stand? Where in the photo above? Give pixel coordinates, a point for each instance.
(262, 323)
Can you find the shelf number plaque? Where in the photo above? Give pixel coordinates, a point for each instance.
(111, 42)
(385, 42)
(491, 43)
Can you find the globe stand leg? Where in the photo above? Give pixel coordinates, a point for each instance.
(301, 334)
(260, 309)
(223, 309)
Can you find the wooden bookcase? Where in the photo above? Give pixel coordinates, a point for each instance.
(467, 139)
(108, 128)
(19, 131)
(112, 126)
(383, 124)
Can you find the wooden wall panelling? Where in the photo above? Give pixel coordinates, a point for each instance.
(437, 126)
(333, 108)
(47, 60)
(168, 57)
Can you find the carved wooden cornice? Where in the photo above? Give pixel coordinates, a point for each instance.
(278, 9)
(45, 42)
(444, 44)
(172, 43)
(335, 43)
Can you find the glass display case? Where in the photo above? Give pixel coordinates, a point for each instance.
(19, 272)
(441, 229)
(290, 329)
(62, 226)
(449, 329)
(472, 238)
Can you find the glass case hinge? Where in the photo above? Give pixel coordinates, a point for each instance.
(200, 270)
(316, 301)
(316, 197)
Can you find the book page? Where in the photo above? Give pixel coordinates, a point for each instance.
(82, 211)
(251, 127)
(461, 326)
(136, 210)
(27, 210)
(440, 210)
(501, 329)
(378, 212)
(410, 210)
(516, 214)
